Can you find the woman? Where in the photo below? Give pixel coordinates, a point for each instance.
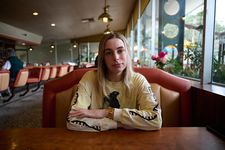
(113, 96)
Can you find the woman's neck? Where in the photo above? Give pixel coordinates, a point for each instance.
(115, 77)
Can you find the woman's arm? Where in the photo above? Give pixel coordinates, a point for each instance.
(82, 118)
(147, 115)
(7, 65)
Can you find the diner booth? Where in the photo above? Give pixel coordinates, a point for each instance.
(177, 45)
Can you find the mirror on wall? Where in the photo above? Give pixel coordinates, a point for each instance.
(170, 30)
(171, 7)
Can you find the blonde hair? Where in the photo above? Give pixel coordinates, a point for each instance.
(102, 68)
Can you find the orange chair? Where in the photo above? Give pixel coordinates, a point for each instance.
(20, 81)
(4, 80)
(33, 78)
(71, 68)
(53, 72)
(44, 75)
(62, 70)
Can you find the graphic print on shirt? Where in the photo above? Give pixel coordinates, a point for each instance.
(155, 108)
(82, 123)
(79, 122)
(112, 100)
(75, 97)
(149, 118)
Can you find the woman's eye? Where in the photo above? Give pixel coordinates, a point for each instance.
(120, 51)
(108, 53)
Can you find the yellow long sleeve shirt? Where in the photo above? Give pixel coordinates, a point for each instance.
(139, 109)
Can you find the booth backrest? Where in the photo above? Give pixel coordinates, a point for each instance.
(172, 92)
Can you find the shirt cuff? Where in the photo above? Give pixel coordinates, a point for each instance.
(117, 114)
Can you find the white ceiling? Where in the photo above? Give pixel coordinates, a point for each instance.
(66, 14)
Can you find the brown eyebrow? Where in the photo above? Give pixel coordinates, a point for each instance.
(116, 48)
(120, 47)
(107, 49)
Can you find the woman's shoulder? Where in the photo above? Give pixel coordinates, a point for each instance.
(138, 76)
(90, 74)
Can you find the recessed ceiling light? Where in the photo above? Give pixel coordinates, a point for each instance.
(86, 20)
(30, 48)
(35, 13)
(53, 24)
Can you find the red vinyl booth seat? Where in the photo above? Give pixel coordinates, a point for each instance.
(173, 93)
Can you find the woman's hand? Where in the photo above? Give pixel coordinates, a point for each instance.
(88, 113)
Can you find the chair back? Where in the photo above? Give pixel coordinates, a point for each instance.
(4, 79)
(62, 70)
(34, 75)
(53, 72)
(21, 78)
(71, 68)
(45, 73)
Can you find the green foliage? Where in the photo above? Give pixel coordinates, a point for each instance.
(173, 66)
(218, 71)
(193, 57)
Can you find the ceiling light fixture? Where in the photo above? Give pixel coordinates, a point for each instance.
(35, 13)
(87, 20)
(105, 17)
(30, 48)
(107, 30)
(53, 24)
(52, 46)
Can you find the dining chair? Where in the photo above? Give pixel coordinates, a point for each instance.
(53, 72)
(44, 75)
(4, 80)
(62, 70)
(33, 78)
(20, 81)
(70, 68)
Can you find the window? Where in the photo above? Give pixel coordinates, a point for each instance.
(193, 28)
(178, 32)
(148, 34)
(88, 52)
(218, 73)
(154, 33)
(143, 37)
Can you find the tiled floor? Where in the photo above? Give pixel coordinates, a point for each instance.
(22, 112)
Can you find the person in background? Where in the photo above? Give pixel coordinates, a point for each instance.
(13, 63)
(47, 63)
(113, 95)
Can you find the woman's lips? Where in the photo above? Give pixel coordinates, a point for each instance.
(116, 65)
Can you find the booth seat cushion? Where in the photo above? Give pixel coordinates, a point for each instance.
(169, 102)
(63, 102)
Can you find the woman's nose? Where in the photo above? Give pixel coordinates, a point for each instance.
(116, 56)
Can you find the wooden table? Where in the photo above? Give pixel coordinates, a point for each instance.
(174, 138)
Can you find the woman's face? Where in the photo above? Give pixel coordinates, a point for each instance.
(115, 56)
